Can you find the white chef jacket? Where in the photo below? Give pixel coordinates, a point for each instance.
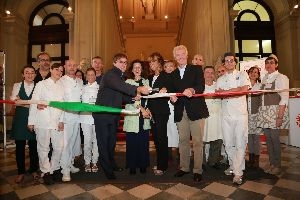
(234, 106)
(49, 117)
(89, 95)
(72, 93)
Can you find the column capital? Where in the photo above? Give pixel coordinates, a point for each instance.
(69, 16)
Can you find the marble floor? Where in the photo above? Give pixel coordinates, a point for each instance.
(286, 186)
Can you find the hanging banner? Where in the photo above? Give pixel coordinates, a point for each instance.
(294, 114)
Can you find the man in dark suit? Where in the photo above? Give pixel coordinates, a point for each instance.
(189, 112)
(112, 92)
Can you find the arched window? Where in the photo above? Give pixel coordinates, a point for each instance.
(48, 31)
(253, 29)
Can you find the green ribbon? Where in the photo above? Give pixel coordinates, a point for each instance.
(83, 107)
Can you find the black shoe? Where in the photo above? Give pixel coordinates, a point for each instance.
(110, 176)
(57, 175)
(197, 177)
(180, 173)
(118, 169)
(132, 171)
(48, 180)
(143, 170)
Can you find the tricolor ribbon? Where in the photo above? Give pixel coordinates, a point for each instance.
(86, 107)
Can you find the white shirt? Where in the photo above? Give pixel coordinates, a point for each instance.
(181, 71)
(234, 106)
(281, 82)
(89, 95)
(72, 93)
(16, 89)
(48, 118)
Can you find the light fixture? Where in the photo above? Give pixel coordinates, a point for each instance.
(70, 8)
(296, 6)
(121, 17)
(7, 12)
(166, 17)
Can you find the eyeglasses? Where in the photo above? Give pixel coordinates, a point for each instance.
(122, 62)
(229, 61)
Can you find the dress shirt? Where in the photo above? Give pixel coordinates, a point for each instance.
(182, 70)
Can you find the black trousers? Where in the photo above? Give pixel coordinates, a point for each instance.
(106, 134)
(160, 137)
(20, 156)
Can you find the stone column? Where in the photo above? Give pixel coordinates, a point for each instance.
(95, 30)
(69, 17)
(206, 29)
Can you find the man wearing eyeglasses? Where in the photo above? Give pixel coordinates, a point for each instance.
(43, 72)
(234, 116)
(113, 91)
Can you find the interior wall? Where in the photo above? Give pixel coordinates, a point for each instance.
(141, 46)
(206, 29)
(95, 33)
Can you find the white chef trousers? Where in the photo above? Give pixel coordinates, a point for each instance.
(90, 148)
(235, 134)
(43, 137)
(71, 132)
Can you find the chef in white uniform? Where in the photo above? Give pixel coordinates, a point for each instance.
(72, 93)
(90, 149)
(234, 116)
(48, 125)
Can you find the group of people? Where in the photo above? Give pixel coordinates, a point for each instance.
(209, 121)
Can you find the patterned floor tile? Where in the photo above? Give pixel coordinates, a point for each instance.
(219, 189)
(6, 188)
(182, 190)
(289, 184)
(165, 195)
(31, 191)
(285, 186)
(123, 196)
(106, 191)
(206, 195)
(9, 196)
(272, 198)
(256, 187)
(85, 196)
(144, 191)
(284, 193)
(246, 195)
(44, 196)
(68, 190)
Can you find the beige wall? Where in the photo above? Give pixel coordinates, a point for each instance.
(206, 29)
(141, 46)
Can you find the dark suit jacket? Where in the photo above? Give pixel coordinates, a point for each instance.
(195, 106)
(113, 91)
(159, 105)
